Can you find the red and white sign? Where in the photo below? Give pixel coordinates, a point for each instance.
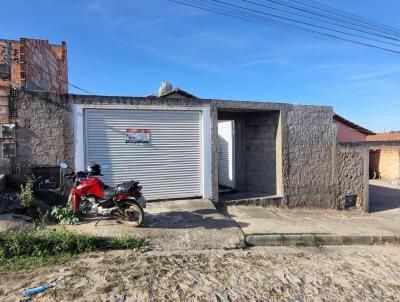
(137, 136)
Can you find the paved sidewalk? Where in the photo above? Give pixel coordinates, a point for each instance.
(384, 221)
(293, 221)
(175, 225)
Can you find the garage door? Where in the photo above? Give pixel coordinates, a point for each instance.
(168, 166)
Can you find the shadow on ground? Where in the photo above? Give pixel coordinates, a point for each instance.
(174, 220)
(383, 198)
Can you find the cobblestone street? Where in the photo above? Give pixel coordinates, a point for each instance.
(353, 273)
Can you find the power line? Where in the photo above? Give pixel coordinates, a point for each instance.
(58, 78)
(301, 22)
(329, 17)
(344, 14)
(255, 18)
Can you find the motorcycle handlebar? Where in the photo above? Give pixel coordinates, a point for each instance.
(69, 175)
(79, 174)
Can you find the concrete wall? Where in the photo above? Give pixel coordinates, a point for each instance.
(44, 133)
(353, 175)
(311, 141)
(255, 150)
(308, 163)
(308, 143)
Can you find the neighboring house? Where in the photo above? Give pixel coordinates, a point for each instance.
(349, 131)
(177, 93)
(385, 161)
(30, 64)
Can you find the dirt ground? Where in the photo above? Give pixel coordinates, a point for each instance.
(346, 273)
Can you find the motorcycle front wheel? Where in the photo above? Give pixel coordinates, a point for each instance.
(132, 214)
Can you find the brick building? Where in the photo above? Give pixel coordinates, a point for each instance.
(385, 161)
(29, 64)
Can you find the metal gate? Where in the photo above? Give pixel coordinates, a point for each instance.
(168, 166)
(226, 169)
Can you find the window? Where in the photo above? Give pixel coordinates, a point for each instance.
(7, 131)
(9, 149)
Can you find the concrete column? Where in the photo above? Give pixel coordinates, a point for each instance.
(214, 153)
(366, 180)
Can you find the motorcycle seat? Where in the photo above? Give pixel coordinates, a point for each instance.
(109, 192)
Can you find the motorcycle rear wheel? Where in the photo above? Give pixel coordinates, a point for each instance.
(132, 214)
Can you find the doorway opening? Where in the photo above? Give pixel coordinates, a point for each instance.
(249, 165)
(384, 179)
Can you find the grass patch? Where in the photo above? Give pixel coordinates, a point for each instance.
(26, 263)
(39, 248)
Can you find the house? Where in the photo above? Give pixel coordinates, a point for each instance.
(349, 131)
(385, 161)
(181, 146)
(176, 144)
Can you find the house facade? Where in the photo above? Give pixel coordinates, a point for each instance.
(349, 131)
(280, 154)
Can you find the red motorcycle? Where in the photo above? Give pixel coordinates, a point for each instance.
(90, 195)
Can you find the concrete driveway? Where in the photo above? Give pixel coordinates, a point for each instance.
(175, 225)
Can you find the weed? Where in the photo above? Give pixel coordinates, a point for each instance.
(26, 195)
(314, 241)
(64, 214)
(76, 293)
(79, 272)
(107, 288)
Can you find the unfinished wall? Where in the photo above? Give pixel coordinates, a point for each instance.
(255, 150)
(31, 64)
(310, 180)
(43, 66)
(45, 134)
(352, 164)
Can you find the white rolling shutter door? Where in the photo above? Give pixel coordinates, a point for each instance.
(167, 167)
(226, 171)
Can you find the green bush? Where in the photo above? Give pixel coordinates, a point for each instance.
(26, 195)
(64, 214)
(60, 242)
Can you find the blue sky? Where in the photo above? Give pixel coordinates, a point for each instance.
(128, 47)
